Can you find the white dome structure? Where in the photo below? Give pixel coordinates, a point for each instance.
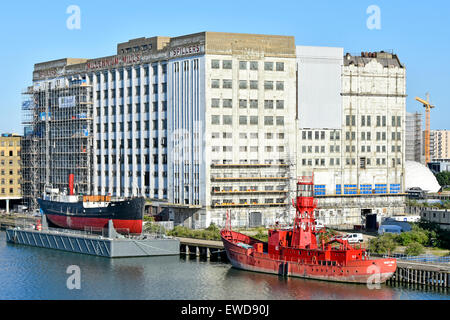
(419, 176)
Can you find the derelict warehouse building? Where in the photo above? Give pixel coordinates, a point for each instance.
(205, 123)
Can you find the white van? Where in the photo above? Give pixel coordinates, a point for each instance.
(319, 224)
(353, 237)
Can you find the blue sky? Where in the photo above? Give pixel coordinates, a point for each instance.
(418, 31)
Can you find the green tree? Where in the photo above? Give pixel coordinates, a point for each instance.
(416, 235)
(443, 178)
(414, 249)
(383, 244)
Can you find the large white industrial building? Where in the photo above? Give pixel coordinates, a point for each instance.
(205, 123)
(352, 132)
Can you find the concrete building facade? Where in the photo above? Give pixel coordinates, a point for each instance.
(358, 159)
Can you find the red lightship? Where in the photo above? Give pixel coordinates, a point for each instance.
(295, 252)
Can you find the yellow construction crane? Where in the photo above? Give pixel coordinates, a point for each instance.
(427, 105)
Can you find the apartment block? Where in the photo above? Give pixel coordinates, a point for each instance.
(439, 144)
(10, 169)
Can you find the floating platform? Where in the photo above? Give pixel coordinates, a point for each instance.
(113, 245)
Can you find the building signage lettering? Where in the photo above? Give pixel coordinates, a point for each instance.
(183, 51)
(105, 63)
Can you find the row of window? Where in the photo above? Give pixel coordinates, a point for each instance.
(137, 108)
(113, 173)
(11, 191)
(121, 126)
(321, 162)
(320, 135)
(155, 193)
(137, 91)
(247, 120)
(320, 149)
(111, 74)
(249, 189)
(348, 148)
(366, 121)
(9, 153)
(244, 103)
(367, 136)
(247, 149)
(247, 65)
(11, 172)
(248, 202)
(9, 143)
(246, 161)
(243, 84)
(245, 135)
(11, 181)
(349, 162)
(137, 143)
(10, 162)
(146, 159)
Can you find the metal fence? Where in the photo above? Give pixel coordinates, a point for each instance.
(428, 258)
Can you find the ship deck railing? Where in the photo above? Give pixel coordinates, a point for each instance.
(92, 233)
(85, 234)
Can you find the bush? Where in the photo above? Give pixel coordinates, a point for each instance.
(262, 236)
(440, 238)
(382, 245)
(212, 233)
(149, 219)
(407, 238)
(414, 249)
(154, 228)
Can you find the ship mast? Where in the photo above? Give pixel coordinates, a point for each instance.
(304, 232)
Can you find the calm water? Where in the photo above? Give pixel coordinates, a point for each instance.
(35, 274)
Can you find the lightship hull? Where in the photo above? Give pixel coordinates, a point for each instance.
(127, 216)
(361, 271)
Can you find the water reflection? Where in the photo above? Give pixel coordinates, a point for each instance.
(306, 289)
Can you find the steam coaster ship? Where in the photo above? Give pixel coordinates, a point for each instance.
(81, 212)
(295, 251)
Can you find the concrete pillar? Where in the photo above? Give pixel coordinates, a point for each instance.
(208, 253)
(7, 205)
(197, 251)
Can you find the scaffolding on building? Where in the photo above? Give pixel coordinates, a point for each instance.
(58, 140)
